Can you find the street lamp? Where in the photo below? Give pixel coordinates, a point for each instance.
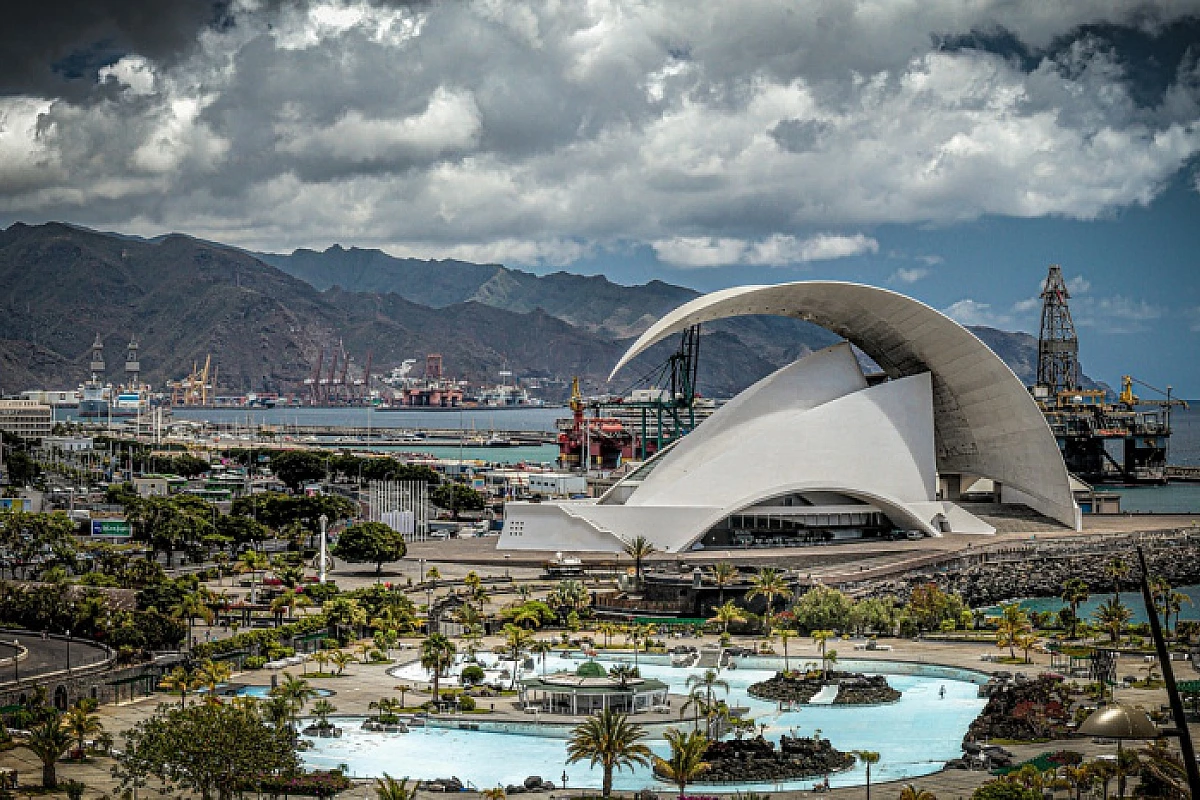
(1120, 723)
(324, 520)
(17, 662)
(68, 651)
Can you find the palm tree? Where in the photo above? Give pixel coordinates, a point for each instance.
(81, 722)
(910, 792)
(388, 788)
(285, 604)
(296, 691)
(769, 583)
(433, 574)
(182, 681)
(1174, 604)
(211, 674)
(821, 638)
(253, 562)
(277, 710)
(540, 648)
(437, 655)
(1075, 591)
(49, 740)
(1113, 616)
(1013, 623)
(610, 740)
(623, 673)
(1026, 641)
(1116, 570)
(321, 710)
(364, 651)
(724, 574)
(706, 682)
(190, 606)
(607, 630)
(639, 548)
(686, 762)
(784, 635)
(727, 613)
(868, 757)
(321, 657)
(340, 659)
(517, 640)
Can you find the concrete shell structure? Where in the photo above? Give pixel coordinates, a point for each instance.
(813, 441)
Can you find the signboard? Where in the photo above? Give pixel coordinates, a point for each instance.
(112, 528)
(12, 503)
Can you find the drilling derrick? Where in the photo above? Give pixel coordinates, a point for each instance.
(1058, 346)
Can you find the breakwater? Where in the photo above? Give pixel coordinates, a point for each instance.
(1041, 569)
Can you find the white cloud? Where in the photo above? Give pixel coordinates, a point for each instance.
(973, 312)
(702, 130)
(777, 250)
(911, 275)
(1078, 285)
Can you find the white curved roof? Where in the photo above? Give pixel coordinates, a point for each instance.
(985, 421)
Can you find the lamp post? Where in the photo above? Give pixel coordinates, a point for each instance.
(68, 651)
(17, 662)
(324, 520)
(1120, 723)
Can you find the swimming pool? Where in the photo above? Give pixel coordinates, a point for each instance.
(915, 736)
(260, 692)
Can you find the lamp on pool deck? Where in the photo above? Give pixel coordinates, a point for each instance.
(1120, 723)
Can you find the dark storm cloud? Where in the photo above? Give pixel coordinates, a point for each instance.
(53, 49)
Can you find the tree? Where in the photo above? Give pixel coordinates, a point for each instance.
(516, 640)
(769, 583)
(344, 612)
(296, 692)
(370, 543)
(341, 659)
(388, 788)
(49, 740)
(639, 548)
(610, 740)
(686, 762)
(1116, 570)
(458, 497)
(724, 574)
(726, 613)
(194, 604)
(212, 674)
(868, 757)
(297, 467)
(321, 710)
(208, 749)
(1013, 623)
(81, 721)
(1113, 616)
(437, 656)
(823, 608)
(910, 792)
(821, 638)
(253, 562)
(181, 680)
(1075, 591)
(540, 648)
(700, 696)
(22, 470)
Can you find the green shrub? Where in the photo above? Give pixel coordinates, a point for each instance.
(466, 702)
(254, 662)
(472, 674)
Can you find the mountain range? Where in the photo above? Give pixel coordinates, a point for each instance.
(267, 319)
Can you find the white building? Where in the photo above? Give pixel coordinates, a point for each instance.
(25, 418)
(813, 452)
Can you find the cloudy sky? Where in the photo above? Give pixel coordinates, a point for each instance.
(947, 149)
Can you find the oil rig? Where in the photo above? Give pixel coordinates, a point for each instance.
(1101, 441)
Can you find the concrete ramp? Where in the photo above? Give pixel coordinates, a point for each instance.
(826, 696)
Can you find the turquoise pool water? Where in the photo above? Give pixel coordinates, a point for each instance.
(914, 736)
(260, 692)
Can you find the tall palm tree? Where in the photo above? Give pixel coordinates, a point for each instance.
(388, 788)
(1113, 616)
(321, 658)
(192, 605)
(784, 635)
(81, 721)
(517, 640)
(726, 613)
(686, 762)
(211, 674)
(868, 757)
(297, 692)
(769, 583)
(1174, 603)
(540, 648)
(1075, 591)
(639, 548)
(724, 574)
(285, 605)
(821, 638)
(623, 674)
(322, 709)
(437, 655)
(1116, 570)
(610, 740)
(49, 740)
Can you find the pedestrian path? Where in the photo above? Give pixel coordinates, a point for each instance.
(826, 696)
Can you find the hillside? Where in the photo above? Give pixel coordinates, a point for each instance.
(185, 299)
